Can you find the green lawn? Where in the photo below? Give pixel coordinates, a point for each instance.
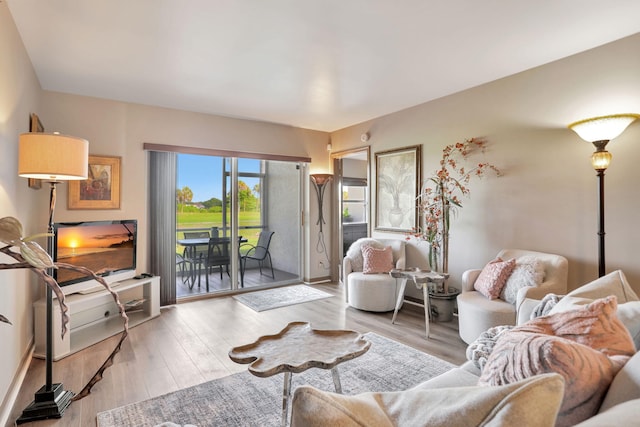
(214, 219)
(205, 220)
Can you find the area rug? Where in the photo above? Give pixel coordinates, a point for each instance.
(280, 297)
(246, 400)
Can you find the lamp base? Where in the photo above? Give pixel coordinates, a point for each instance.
(47, 404)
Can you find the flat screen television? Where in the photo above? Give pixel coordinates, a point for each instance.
(108, 248)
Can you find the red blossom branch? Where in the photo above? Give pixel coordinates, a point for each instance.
(439, 196)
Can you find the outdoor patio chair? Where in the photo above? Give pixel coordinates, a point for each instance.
(259, 252)
(217, 256)
(181, 267)
(193, 257)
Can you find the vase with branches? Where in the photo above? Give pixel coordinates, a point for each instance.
(30, 255)
(441, 197)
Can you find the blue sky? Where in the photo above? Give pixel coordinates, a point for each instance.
(203, 174)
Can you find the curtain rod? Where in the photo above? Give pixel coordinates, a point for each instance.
(222, 153)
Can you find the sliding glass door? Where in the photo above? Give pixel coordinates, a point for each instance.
(222, 246)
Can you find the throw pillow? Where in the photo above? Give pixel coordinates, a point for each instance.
(628, 313)
(614, 283)
(493, 277)
(355, 251)
(528, 271)
(535, 400)
(587, 347)
(377, 260)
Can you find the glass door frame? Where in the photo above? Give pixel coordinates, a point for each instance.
(337, 251)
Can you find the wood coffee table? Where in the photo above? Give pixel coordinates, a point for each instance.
(297, 348)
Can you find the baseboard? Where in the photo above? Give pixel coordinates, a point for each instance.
(12, 394)
(317, 280)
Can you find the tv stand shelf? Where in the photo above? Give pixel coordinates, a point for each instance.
(94, 317)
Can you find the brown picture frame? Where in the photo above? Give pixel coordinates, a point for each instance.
(101, 190)
(398, 179)
(35, 125)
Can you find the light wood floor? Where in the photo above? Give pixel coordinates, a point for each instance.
(188, 345)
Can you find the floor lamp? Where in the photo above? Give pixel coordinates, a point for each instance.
(599, 131)
(54, 158)
(320, 180)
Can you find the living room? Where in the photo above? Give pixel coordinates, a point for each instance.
(546, 199)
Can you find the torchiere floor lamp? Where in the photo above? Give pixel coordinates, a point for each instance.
(54, 158)
(599, 131)
(320, 182)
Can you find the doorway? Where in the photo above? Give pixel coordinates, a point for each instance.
(232, 212)
(352, 212)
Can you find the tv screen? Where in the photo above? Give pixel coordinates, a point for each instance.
(105, 247)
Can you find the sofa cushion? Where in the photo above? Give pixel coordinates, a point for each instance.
(493, 277)
(528, 271)
(587, 346)
(624, 414)
(614, 283)
(462, 376)
(373, 292)
(377, 260)
(536, 399)
(625, 386)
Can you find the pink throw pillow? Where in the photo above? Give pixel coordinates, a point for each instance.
(493, 277)
(587, 346)
(377, 260)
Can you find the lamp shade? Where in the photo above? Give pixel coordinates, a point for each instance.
(54, 157)
(603, 128)
(321, 178)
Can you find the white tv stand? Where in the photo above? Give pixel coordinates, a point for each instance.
(94, 317)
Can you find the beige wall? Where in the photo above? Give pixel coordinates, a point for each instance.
(547, 198)
(120, 129)
(19, 96)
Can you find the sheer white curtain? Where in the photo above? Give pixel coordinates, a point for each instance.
(162, 220)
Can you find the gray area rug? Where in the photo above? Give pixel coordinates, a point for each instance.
(246, 400)
(280, 297)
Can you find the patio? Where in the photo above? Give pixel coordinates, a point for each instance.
(252, 279)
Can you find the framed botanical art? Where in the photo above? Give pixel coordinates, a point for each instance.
(35, 125)
(101, 190)
(398, 176)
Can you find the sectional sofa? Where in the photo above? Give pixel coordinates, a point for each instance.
(586, 372)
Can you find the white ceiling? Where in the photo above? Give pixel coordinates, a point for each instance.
(323, 64)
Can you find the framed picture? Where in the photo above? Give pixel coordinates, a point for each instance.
(101, 190)
(35, 125)
(398, 176)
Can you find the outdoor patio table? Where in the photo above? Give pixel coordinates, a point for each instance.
(192, 244)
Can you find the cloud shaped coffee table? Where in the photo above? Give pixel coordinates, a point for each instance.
(297, 348)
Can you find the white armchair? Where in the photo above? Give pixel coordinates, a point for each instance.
(476, 313)
(371, 292)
